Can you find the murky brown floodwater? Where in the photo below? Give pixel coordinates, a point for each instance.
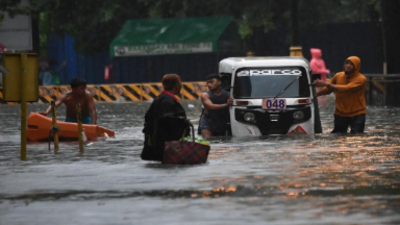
(321, 179)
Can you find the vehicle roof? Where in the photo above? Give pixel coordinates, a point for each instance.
(229, 64)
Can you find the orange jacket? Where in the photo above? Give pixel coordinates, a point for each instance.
(350, 94)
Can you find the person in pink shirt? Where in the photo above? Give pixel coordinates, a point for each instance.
(317, 63)
(318, 66)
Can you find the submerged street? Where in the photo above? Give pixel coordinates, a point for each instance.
(305, 179)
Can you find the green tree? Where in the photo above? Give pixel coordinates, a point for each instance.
(270, 14)
(94, 23)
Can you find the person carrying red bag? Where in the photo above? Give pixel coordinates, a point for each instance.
(165, 120)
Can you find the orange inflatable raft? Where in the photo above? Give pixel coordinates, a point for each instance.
(39, 127)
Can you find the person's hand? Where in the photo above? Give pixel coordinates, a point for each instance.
(327, 71)
(188, 122)
(43, 113)
(319, 83)
(230, 101)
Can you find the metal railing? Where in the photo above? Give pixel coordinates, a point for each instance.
(378, 85)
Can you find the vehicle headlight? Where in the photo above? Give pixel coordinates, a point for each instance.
(298, 115)
(249, 116)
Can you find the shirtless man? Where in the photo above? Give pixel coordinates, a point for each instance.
(78, 94)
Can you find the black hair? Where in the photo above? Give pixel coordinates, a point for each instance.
(77, 82)
(214, 75)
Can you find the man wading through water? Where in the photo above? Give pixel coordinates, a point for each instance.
(349, 87)
(70, 98)
(216, 104)
(165, 120)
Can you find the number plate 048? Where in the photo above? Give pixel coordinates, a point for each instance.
(274, 104)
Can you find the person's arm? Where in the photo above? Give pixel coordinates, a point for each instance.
(230, 99)
(57, 103)
(170, 119)
(324, 67)
(327, 88)
(149, 118)
(92, 109)
(205, 99)
(353, 85)
(324, 91)
(166, 111)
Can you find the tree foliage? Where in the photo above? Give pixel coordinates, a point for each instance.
(94, 23)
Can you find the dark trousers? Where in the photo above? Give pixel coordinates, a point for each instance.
(356, 123)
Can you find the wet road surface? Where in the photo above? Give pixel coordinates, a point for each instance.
(307, 179)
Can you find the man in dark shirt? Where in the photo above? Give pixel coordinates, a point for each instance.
(216, 104)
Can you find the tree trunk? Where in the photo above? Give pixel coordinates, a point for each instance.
(35, 33)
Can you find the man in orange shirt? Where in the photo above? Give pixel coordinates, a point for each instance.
(349, 87)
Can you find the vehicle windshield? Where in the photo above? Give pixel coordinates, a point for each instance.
(269, 82)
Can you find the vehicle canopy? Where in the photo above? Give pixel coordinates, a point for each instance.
(229, 65)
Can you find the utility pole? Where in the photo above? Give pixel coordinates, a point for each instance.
(35, 33)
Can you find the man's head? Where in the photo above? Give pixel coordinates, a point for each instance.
(348, 67)
(172, 83)
(78, 85)
(352, 65)
(213, 81)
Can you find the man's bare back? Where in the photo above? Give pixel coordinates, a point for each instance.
(70, 101)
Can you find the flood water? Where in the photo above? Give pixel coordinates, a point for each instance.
(307, 179)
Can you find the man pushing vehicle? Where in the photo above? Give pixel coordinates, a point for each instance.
(349, 88)
(214, 121)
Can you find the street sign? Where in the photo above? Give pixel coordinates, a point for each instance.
(12, 81)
